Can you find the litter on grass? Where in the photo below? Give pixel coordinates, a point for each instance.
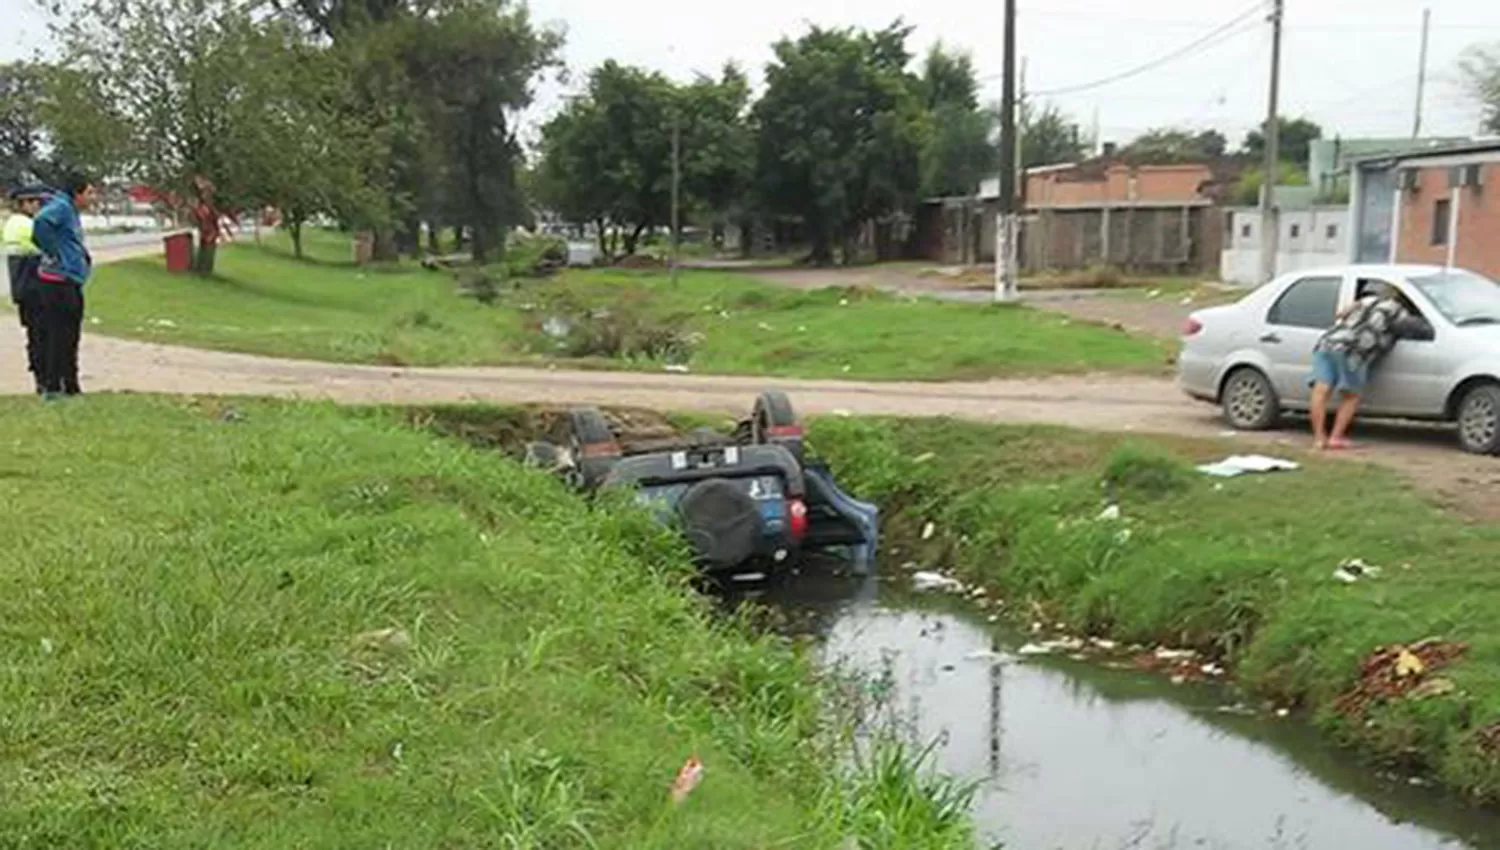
(1235, 465)
(1354, 570)
(935, 581)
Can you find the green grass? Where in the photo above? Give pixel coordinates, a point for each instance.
(1241, 569)
(183, 588)
(264, 302)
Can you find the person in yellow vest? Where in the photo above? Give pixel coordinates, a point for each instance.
(24, 261)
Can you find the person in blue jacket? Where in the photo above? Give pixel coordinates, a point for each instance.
(64, 269)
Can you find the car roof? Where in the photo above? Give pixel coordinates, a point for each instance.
(1402, 270)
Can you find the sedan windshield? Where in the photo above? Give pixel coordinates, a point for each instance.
(1463, 297)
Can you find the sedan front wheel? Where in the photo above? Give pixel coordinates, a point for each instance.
(1249, 400)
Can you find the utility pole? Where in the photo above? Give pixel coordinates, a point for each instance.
(1268, 225)
(1005, 218)
(676, 184)
(1416, 124)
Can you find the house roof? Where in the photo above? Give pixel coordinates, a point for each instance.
(1477, 146)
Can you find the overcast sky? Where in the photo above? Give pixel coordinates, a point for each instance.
(1351, 65)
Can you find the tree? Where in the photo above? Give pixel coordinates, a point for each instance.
(1048, 137)
(1168, 145)
(717, 151)
(1295, 137)
(957, 152)
(840, 132)
(21, 131)
(477, 63)
(186, 83)
(607, 156)
(1247, 190)
(1479, 69)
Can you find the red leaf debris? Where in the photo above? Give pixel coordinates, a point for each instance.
(1385, 676)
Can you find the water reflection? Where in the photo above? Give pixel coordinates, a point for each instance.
(1073, 755)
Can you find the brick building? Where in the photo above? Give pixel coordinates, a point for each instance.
(1101, 212)
(1440, 206)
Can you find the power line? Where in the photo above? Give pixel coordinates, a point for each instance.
(1220, 33)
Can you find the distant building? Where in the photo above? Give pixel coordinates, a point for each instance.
(1100, 212)
(1437, 206)
(1329, 159)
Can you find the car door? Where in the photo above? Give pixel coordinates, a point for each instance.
(1412, 380)
(1291, 328)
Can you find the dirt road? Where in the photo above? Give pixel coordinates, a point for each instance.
(1144, 405)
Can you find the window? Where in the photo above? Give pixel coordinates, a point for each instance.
(1440, 215)
(1309, 303)
(1245, 231)
(1296, 230)
(1333, 231)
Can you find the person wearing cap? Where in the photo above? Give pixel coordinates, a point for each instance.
(65, 268)
(24, 261)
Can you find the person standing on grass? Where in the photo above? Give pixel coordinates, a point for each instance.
(24, 261)
(65, 268)
(1363, 332)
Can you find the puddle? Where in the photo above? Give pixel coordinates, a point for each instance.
(1073, 755)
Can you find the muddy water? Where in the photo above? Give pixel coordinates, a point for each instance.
(1073, 755)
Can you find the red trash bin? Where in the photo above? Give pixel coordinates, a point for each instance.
(179, 251)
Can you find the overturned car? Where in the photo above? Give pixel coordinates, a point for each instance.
(745, 500)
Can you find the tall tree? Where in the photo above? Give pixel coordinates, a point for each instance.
(607, 156)
(1479, 69)
(187, 81)
(478, 62)
(717, 146)
(1295, 137)
(957, 152)
(1049, 137)
(21, 130)
(841, 129)
(1166, 145)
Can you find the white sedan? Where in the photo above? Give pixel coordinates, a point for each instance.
(1254, 357)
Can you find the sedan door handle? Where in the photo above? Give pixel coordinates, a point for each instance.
(1271, 338)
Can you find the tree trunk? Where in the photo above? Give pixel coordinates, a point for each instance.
(385, 247)
(633, 239)
(434, 245)
(294, 227)
(481, 250)
(747, 237)
(409, 238)
(203, 259)
(602, 235)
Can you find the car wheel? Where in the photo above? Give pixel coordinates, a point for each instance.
(592, 444)
(1479, 420)
(1249, 400)
(774, 421)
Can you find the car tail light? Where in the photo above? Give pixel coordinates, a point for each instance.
(797, 510)
(1191, 327)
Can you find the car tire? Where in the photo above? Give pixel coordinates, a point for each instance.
(592, 444)
(1249, 401)
(1478, 419)
(773, 410)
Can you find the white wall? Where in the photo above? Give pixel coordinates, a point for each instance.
(1309, 238)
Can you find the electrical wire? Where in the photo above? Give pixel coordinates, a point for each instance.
(1221, 33)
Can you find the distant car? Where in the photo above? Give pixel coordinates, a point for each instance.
(742, 501)
(1254, 357)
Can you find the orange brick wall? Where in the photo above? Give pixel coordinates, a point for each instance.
(1161, 183)
(1478, 231)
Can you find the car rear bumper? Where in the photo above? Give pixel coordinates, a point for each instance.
(1198, 377)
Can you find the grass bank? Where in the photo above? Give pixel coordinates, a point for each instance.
(256, 625)
(265, 302)
(1241, 569)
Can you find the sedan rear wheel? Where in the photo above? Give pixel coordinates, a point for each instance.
(1249, 401)
(1479, 420)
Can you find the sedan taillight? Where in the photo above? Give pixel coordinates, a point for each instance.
(1191, 327)
(797, 512)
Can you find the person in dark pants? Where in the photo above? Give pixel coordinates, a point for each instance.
(24, 261)
(64, 269)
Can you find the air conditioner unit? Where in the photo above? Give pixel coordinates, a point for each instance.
(1408, 179)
